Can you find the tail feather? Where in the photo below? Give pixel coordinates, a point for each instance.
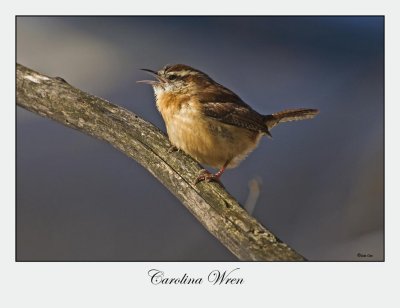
(288, 115)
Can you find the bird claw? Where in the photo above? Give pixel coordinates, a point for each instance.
(172, 149)
(207, 177)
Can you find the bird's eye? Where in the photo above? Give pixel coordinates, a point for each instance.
(172, 77)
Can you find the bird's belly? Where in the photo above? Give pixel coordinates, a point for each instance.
(209, 141)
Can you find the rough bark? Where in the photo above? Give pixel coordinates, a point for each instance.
(218, 212)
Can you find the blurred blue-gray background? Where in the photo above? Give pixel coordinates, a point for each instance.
(322, 180)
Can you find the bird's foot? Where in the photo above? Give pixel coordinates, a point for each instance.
(172, 149)
(207, 177)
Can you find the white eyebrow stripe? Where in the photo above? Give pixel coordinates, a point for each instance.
(183, 73)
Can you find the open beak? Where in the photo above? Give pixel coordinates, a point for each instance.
(152, 82)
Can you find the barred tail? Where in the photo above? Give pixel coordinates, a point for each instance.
(288, 115)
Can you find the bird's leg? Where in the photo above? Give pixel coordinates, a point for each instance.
(220, 171)
(209, 177)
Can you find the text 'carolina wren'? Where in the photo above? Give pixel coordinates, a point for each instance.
(210, 122)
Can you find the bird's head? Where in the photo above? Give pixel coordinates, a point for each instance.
(177, 79)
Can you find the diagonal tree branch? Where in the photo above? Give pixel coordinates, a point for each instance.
(219, 212)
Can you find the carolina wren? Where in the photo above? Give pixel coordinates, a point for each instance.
(210, 122)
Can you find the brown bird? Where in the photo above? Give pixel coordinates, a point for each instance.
(210, 122)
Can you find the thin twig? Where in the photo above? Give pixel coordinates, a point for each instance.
(254, 193)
